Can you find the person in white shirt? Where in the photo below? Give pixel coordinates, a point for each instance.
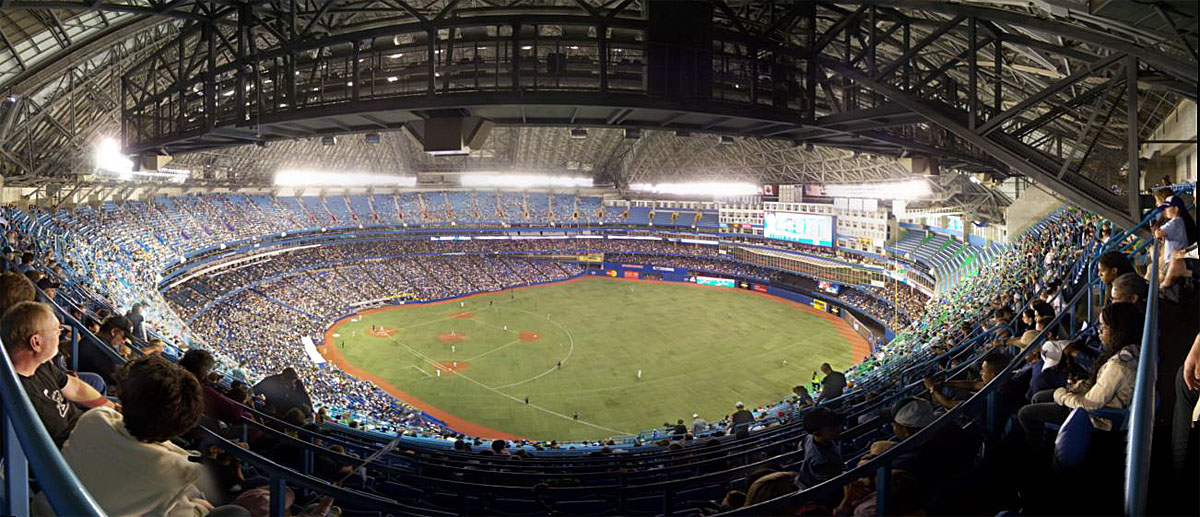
(125, 459)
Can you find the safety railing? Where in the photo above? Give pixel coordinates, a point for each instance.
(1141, 408)
(27, 446)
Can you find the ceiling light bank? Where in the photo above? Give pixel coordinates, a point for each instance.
(713, 189)
(523, 180)
(287, 178)
(906, 190)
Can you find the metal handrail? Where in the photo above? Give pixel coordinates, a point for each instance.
(1141, 421)
(27, 446)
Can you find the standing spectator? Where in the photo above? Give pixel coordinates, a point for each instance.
(126, 459)
(679, 431)
(285, 392)
(112, 334)
(137, 321)
(741, 419)
(833, 384)
(698, 424)
(31, 334)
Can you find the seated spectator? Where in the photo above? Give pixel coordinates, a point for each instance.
(990, 366)
(218, 409)
(948, 453)
(1130, 288)
(770, 486)
(803, 399)
(1112, 265)
(14, 289)
(822, 452)
(113, 333)
(126, 459)
(907, 496)
(1109, 384)
(31, 333)
(1050, 368)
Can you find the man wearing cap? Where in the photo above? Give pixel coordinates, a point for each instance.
(698, 424)
(741, 417)
(113, 333)
(49, 290)
(1050, 369)
(947, 453)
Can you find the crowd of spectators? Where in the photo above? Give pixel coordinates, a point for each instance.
(260, 328)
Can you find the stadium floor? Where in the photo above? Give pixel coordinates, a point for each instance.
(473, 361)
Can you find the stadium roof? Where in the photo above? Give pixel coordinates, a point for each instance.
(1059, 77)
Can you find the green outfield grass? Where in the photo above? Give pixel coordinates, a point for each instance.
(700, 349)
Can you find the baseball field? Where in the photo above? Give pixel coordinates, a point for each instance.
(590, 358)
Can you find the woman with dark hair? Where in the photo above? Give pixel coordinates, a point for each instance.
(1112, 265)
(1109, 384)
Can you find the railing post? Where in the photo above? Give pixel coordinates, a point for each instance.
(74, 348)
(1141, 414)
(16, 472)
(883, 480)
(278, 496)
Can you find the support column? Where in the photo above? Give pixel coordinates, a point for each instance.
(1134, 174)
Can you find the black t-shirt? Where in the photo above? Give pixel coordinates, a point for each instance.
(57, 413)
(833, 385)
(742, 416)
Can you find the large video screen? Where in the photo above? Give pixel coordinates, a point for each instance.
(803, 228)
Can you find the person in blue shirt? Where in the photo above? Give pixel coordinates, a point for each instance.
(822, 449)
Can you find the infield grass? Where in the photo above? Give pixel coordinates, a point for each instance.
(700, 350)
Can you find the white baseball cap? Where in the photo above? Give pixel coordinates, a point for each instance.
(1051, 353)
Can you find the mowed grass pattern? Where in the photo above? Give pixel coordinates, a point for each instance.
(700, 349)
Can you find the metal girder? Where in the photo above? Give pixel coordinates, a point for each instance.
(1010, 151)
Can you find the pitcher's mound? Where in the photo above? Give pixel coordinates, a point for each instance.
(462, 315)
(530, 337)
(454, 367)
(452, 337)
(382, 332)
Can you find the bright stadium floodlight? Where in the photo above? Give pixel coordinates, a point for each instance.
(522, 180)
(341, 179)
(916, 188)
(714, 189)
(108, 158)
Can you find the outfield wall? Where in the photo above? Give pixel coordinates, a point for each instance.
(870, 328)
